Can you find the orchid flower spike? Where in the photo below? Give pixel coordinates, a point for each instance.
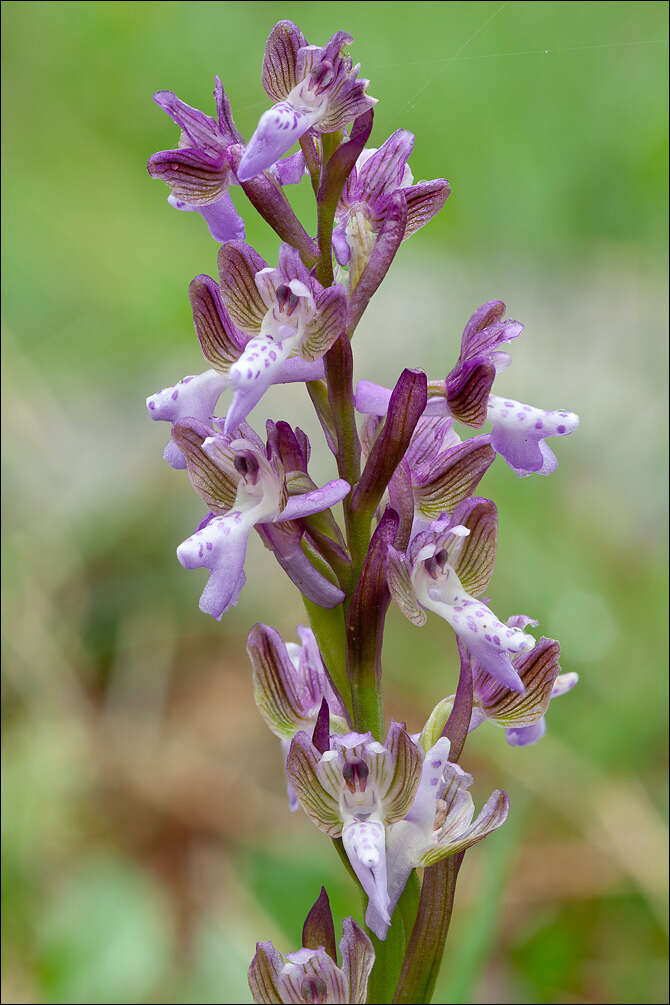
(355, 790)
(518, 431)
(237, 361)
(312, 975)
(244, 486)
(290, 685)
(366, 198)
(445, 569)
(314, 87)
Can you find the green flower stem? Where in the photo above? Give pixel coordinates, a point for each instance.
(367, 701)
(329, 631)
(426, 944)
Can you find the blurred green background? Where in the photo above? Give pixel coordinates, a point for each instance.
(147, 843)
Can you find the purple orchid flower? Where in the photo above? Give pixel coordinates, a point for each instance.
(290, 684)
(518, 431)
(314, 87)
(445, 569)
(244, 486)
(312, 974)
(521, 716)
(439, 822)
(367, 196)
(199, 171)
(356, 790)
(238, 361)
(284, 314)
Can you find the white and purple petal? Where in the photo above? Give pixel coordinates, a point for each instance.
(191, 397)
(519, 433)
(221, 547)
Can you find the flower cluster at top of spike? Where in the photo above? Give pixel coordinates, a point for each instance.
(403, 803)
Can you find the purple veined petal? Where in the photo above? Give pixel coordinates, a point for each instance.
(253, 373)
(424, 201)
(192, 397)
(278, 129)
(365, 844)
(279, 697)
(212, 474)
(310, 975)
(229, 131)
(358, 957)
(451, 477)
(382, 172)
(486, 315)
(519, 432)
(194, 177)
(401, 588)
(202, 130)
(468, 391)
(221, 547)
(279, 75)
(238, 265)
(538, 669)
(432, 438)
(372, 399)
(449, 840)
(400, 775)
(221, 342)
(263, 973)
(327, 325)
(476, 554)
(316, 501)
(523, 736)
(320, 805)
